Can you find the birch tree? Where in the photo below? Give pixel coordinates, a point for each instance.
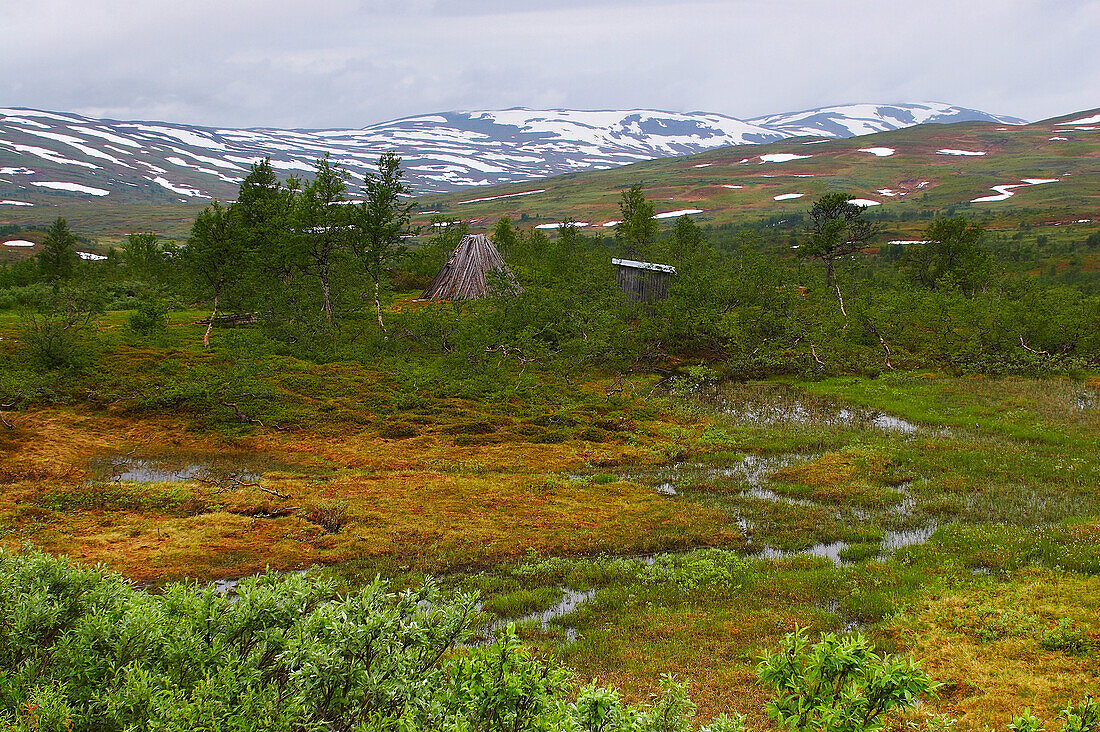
(214, 256)
(319, 227)
(377, 225)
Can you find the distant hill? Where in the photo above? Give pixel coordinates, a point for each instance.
(51, 157)
(863, 119)
(1041, 174)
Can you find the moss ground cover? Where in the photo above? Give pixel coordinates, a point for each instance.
(962, 513)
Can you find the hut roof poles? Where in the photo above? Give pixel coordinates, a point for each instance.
(463, 277)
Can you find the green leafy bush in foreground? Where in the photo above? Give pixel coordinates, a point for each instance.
(838, 684)
(81, 649)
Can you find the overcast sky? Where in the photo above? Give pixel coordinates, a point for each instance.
(348, 63)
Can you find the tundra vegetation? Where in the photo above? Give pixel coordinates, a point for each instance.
(812, 489)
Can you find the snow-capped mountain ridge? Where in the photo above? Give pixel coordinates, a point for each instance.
(163, 161)
(850, 120)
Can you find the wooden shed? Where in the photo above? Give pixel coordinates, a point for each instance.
(643, 280)
(465, 276)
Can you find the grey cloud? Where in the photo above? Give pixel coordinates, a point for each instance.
(347, 63)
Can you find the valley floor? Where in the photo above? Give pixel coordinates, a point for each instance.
(695, 523)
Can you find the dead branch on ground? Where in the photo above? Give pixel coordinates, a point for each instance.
(1026, 347)
(241, 416)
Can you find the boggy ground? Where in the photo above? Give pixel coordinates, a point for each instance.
(955, 519)
(420, 502)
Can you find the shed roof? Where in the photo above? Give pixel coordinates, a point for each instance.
(644, 265)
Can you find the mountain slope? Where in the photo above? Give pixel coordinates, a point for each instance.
(46, 157)
(1041, 174)
(865, 119)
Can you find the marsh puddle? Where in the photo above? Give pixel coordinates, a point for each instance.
(226, 586)
(830, 550)
(171, 468)
(1084, 401)
(750, 477)
(848, 624)
(892, 540)
(752, 472)
(770, 405)
(570, 601)
(900, 538)
(766, 494)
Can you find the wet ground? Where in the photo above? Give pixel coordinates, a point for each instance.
(173, 467)
(776, 404)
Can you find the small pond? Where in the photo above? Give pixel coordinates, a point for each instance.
(770, 404)
(168, 467)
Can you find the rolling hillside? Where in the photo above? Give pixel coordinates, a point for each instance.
(1044, 174)
(50, 157)
(1047, 173)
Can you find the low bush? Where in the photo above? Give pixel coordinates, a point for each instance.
(330, 514)
(150, 317)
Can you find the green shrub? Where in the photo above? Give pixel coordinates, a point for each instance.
(150, 317)
(1066, 637)
(1083, 717)
(839, 684)
(592, 434)
(54, 341)
(1026, 722)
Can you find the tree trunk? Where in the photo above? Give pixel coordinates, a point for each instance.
(210, 325)
(841, 299)
(378, 307)
(326, 308)
(830, 279)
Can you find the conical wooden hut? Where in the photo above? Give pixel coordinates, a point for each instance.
(465, 275)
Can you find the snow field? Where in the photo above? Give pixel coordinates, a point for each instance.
(71, 187)
(681, 212)
(781, 157)
(1006, 192)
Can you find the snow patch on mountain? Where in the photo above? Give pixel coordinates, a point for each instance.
(58, 185)
(440, 152)
(182, 190)
(950, 151)
(781, 158)
(1006, 191)
(1094, 119)
(506, 195)
(681, 212)
(863, 119)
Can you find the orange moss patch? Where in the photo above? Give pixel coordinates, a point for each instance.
(834, 468)
(851, 476)
(422, 502)
(990, 677)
